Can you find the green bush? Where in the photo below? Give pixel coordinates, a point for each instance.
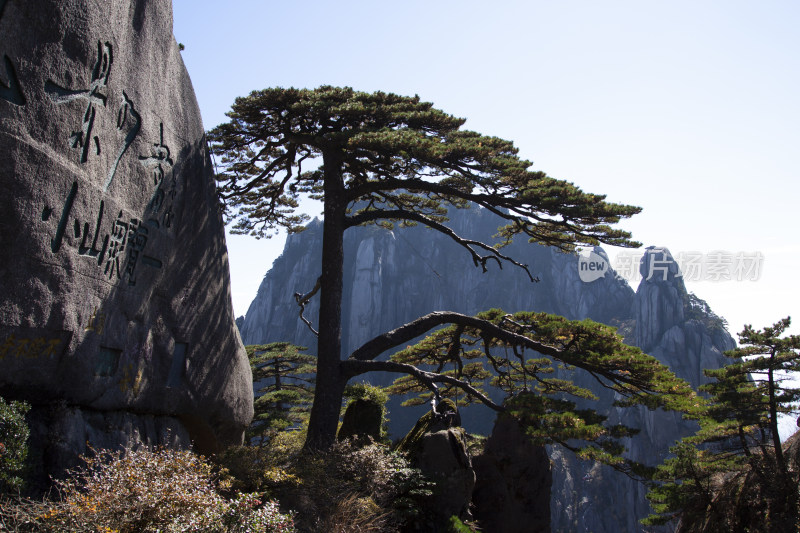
(457, 526)
(365, 391)
(14, 434)
(255, 468)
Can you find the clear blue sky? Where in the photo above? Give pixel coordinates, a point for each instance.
(689, 109)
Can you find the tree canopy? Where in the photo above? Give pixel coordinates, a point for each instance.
(379, 158)
(285, 380)
(398, 157)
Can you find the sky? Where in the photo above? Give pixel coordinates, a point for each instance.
(689, 109)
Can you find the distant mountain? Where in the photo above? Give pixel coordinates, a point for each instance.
(392, 277)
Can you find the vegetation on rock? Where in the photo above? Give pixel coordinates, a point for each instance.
(14, 434)
(364, 416)
(738, 446)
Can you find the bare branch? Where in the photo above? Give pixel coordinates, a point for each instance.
(468, 244)
(253, 182)
(302, 300)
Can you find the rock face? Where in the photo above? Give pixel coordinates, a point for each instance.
(512, 487)
(437, 445)
(392, 277)
(681, 331)
(115, 312)
(362, 421)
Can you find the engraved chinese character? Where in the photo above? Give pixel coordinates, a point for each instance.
(55, 242)
(136, 245)
(6, 347)
(125, 383)
(13, 91)
(125, 110)
(94, 95)
(119, 238)
(159, 161)
(23, 348)
(51, 350)
(36, 347)
(92, 250)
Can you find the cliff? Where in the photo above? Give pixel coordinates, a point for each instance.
(392, 277)
(116, 321)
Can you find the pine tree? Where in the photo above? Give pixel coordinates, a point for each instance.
(738, 437)
(389, 160)
(285, 381)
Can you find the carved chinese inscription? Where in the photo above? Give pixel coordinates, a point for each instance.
(94, 95)
(159, 163)
(116, 245)
(11, 91)
(130, 383)
(32, 343)
(128, 119)
(96, 322)
(133, 124)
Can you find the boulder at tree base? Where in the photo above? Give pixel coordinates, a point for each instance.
(437, 445)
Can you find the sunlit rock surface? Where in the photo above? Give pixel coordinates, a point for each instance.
(115, 312)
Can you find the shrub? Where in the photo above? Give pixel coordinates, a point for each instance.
(348, 488)
(388, 491)
(246, 514)
(146, 491)
(14, 434)
(254, 468)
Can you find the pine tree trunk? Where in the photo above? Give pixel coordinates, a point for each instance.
(773, 417)
(329, 387)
